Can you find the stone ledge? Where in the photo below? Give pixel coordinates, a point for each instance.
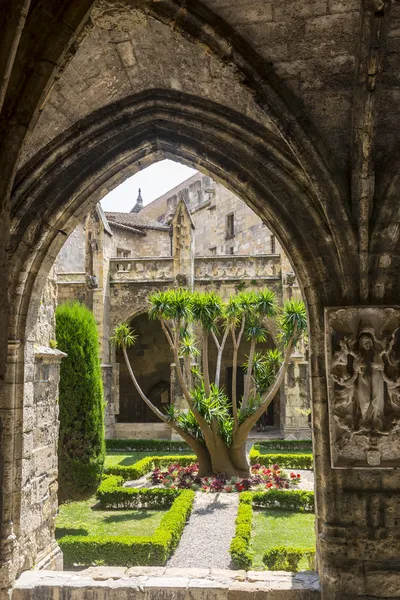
(153, 583)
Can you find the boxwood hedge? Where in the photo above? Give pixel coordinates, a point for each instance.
(273, 445)
(115, 445)
(143, 466)
(240, 548)
(112, 494)
(284, 558)
(133, 550)
(285, 461)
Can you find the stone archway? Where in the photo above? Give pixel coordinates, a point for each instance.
(55, 189)
(152, 359)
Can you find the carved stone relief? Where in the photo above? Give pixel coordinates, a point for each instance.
(363, 367)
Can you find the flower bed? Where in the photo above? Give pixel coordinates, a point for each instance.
(145, 465)
(240, 548)
(125, 550)
(177, 476)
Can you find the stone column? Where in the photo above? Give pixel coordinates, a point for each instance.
(297, 412)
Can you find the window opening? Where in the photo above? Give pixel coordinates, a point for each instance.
(230, 225)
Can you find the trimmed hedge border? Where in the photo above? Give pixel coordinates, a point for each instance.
(115, 445)
(144, 465)
(283, 558)
(133, 550)
(112, 494)
(240, 552)
(296, 500)
(285, 461)
(269, 445)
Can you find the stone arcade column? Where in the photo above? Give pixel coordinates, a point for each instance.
(296, 400)
(357, 451)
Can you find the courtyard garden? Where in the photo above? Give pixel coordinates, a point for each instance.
(212, 499)
(151, 508)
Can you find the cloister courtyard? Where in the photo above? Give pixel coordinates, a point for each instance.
(126, 459)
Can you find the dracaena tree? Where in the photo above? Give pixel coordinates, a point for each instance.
(215, 427)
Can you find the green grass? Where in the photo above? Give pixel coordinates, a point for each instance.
(79, 518)
(130, 458)
(281, 528)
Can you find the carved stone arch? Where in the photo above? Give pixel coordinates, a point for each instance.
(59, 185)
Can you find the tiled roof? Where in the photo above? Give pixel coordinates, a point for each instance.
(135, 220)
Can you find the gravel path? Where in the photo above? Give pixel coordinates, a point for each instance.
(306, 481)
(207, 536)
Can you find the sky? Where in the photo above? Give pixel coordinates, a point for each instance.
(154, 181)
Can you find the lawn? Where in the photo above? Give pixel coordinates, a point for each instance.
(281, 528)
(130, 458)
(79, 518)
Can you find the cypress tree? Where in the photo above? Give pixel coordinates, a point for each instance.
(81, 447)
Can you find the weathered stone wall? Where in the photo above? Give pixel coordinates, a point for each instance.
(210, 203)
(39, 459)
(71, 258)
(154, 242)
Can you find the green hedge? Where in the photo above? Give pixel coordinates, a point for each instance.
(114, 445)
(111, 494)
(81, 447)
(240, 552)
(285, 461)
(143, 466)
(295, 500)
(271, 445)
(282, 558)
(240, 548)
(132, 550)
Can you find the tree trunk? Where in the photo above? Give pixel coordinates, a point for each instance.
(239, 458)
(204, 460)
(220, 458)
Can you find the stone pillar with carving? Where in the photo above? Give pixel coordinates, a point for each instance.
(358, 495)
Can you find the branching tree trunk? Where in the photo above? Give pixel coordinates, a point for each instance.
(236, 344)
(220, 350)
(248, 378)
(210, 426)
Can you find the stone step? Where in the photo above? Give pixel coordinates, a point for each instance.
(154, 583)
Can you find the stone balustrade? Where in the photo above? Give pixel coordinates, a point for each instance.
(141, 269)
(206, 268)
(227, 267)
(156, 583)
